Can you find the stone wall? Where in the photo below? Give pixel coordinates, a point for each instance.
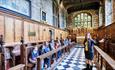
(42, 5)
(83, 31)
(47, 6)
(62, 17)
(36, 7)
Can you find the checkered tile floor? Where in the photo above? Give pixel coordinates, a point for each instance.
(74, 61)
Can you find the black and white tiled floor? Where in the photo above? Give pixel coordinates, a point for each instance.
(74, 61)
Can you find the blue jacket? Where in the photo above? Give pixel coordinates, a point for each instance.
(91, 45)
(34, 54)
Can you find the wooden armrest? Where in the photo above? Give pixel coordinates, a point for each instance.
(17, 67)
(30, 65)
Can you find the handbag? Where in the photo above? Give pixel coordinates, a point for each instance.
(86, 46)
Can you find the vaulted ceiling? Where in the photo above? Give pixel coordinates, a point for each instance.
(77, 5)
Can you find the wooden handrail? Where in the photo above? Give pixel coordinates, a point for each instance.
(18, 67)
(50, 52)
(106, 57)
(112, 43)
(39, 59)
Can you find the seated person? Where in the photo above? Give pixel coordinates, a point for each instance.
(66, 42)
(61, 41)
(52, 47)
(45, 50)
(69, 42)
(33, 57)
(52, 44)
(57, 45)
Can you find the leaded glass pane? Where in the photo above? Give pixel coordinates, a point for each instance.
(89, 18)
(89, 24)
(85, 24)
(83, 20)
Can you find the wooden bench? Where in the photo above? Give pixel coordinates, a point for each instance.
(112, 50)
(41, 57)
(25, 52)
(18, 67)
(104, 59)
(1, 61)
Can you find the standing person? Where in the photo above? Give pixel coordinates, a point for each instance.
(89, 50)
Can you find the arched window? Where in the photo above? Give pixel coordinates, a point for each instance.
(83, 20)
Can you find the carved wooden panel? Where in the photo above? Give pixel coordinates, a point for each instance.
(32, 33)
(18, 30)
(40, 33)
(37, 38)
(1, 25)
(9, 29)
(113, 30)
(26, 30)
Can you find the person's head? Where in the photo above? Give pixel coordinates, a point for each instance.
(61, 38)
(88, 36)
(44, 43)
(56, 38)
(1, 36)
(47, 43)
(52, 41)
(36, 48)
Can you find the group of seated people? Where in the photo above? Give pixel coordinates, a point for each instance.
(46, 47)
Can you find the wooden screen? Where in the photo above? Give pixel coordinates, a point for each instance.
(31, 32)
(26, 30)
(47, 34)
(18, 30)
(41, 33)
(1, 25)
(37, 32)
(9, 29)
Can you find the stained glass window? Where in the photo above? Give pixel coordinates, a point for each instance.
(83, 20)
